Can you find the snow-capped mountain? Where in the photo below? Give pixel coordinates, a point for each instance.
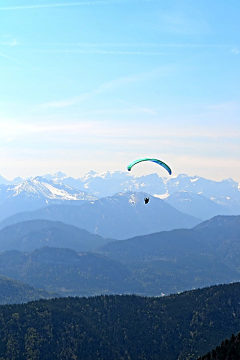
(193, 195)
(205, 187)
(33, 194)
(107, 184)
(202, 197)
(197, 205)
(4, 181)
(48, 189)
(110, 183)
(58, 176)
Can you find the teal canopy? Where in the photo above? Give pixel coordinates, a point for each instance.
(159, 162)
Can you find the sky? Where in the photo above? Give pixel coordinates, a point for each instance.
(94, 85)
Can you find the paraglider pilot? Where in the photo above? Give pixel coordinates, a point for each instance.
(146, 200)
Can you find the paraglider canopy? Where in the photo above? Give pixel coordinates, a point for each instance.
(157, 161)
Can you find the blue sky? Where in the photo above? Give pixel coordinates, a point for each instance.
(93, 85)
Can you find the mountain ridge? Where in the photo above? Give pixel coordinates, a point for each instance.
(183, 326)
(13, 292)
(118, 217)
(33, 234)
(36, 193)
(192, 195)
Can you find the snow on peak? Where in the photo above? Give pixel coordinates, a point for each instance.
(88, 176)
(162, 196)
(57, 176)
(104, 175)
(194, 179)
(55, 193)
(41, 187)
(133, 199)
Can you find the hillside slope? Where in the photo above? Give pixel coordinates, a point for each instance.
(67, 272)
(183, 326)
(34, 234)
(177, 260)
(13, 292)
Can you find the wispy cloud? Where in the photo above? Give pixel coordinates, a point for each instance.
(66, 102)
(131, 49)
(9, 43)
(105, 52)
(9, 129)
(110, 86)
(184, 45)
(183, 22)
(128, 110)
(236, 50)
(79, 3)
(104, 88)
(7, 57)
(190, 150)
(226, 106)
(163, 45)
(125, 130)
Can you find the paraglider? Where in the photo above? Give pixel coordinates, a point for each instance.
(159, 162)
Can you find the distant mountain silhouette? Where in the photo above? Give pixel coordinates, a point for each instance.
(67, 272)
(172, 261)
(197, 205)
(120, 216)
(159, 263)
(34, 234)
(13, 292)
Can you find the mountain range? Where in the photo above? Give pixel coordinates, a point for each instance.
(109, 183)
(150, 265)
(36, 193)
(67, 272)
(223, 196)
(61, 236)
(177, 260)
(34, 234)
(120, 217)
(192, 195)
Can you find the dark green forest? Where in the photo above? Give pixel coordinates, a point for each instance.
(68, 273)
(181, 326)
(12, 291)
(228, 350)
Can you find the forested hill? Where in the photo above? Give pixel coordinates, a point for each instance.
(13, 292)
(229, 350)
(183, 326)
